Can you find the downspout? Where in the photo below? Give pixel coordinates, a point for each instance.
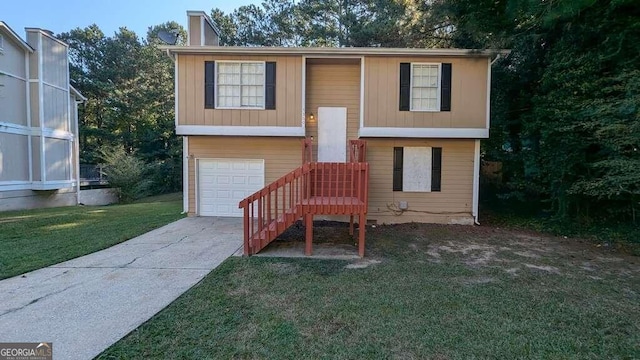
(495, 59)
(172, 57)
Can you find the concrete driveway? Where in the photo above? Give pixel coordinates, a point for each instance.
(86, 304)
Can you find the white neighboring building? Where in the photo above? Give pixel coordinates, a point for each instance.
(38, 122)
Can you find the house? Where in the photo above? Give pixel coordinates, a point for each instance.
(38, 122)
(386, 135)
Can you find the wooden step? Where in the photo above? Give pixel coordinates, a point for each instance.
(276, 227)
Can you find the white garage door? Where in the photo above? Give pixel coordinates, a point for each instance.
(223, 183)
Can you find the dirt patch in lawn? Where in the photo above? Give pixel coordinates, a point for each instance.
(512, 251)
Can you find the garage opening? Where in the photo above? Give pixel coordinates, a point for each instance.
(223, 183)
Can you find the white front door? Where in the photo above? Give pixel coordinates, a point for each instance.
(223, 183)
(332, 134)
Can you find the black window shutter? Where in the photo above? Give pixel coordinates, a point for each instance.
(405, 86)
(398, 154)
(209, 84)
(270, 86)
(436, 168)
(445, 88)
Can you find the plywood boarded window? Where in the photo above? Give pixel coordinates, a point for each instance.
(417, 169)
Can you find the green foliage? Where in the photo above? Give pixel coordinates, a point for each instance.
(126, 174)
(327, 23)
(129, 85)
(565, 120)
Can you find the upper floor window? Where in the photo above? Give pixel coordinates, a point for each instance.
(1, 44)
(240, 84)
(425, 84)
(425, 87)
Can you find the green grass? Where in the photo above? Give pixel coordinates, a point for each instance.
(34, 239)
(439, 292)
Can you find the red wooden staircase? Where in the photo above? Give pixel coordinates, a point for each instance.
(315, 188)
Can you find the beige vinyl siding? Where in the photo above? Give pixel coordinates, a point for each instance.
(14, 157)
(56, 108)
(280, 155)
(58, 159)
(34, 105)
(54, 60)
(195, 32)
(35, 152)
(333, 85)
(13, 97)
(13, 100)
(468, 94)
(452, 204)
(33, 39)
(12, 58)
(191, 109)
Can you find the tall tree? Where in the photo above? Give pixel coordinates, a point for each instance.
(129, 86)
(565, 120)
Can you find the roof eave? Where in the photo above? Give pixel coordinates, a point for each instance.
(327, 51)
(23, 44)
(77, 93)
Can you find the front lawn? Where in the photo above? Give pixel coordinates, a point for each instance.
(33, 239)
(438, 292)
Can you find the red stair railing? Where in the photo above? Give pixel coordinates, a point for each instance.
(313, 188)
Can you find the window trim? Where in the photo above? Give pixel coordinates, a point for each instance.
(1, 44)
(438, 89)
(264, 85)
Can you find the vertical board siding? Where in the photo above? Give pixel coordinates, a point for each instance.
(191, 94)
(194, 30)
(56, 108)
(333, 85)
(58, 159)
(280, 155)
(468, 94)
(14, 157)
(454, 201)
(12, 58)
(13, 100)
(35, 152)
(54, 59)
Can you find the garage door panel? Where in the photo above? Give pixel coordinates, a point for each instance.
(254, 180)
(240, 166)
(222, 179)
(223, 183)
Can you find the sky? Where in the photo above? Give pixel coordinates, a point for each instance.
(109, 15)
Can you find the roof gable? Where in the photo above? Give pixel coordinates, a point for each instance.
(10, 34)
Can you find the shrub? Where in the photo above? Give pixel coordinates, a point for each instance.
(125, 173)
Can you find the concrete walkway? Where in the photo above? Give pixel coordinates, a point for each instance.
(86, 304)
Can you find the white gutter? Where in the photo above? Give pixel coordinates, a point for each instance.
(328, 51)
